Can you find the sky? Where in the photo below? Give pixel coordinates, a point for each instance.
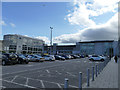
(72, 22)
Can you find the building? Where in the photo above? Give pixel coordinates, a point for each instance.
(0, 45)
(59, 49)
(103, 47)
(22, 44)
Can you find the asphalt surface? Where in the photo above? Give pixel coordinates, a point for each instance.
(46, 74)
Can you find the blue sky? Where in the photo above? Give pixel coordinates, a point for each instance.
(35, 18)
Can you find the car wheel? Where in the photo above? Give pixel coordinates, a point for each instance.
(3, 63)
(102, 59)
(92, 59)
(26, 62)
(19, 62)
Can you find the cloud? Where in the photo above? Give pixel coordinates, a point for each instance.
(105, 31)
(85, 9)
(44, 38)
(12, 24)
(3, 23)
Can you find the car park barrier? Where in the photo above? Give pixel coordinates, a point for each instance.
(92, 73)
(88, 77)
(80, 80)
(66, 84)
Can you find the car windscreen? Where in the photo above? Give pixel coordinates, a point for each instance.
(22, 56)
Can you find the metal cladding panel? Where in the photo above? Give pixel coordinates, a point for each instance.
(98, 48)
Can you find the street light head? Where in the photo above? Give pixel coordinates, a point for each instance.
(51, 27)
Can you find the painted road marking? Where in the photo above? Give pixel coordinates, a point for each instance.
(71, 74)
(27, 82)
(47, 71)
(32, 69)
(59, 86)
(43, 86)
(51, 82)
(58, 72)
(14, 78)
(18, 84)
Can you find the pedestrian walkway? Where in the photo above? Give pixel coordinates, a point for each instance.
(108, 78)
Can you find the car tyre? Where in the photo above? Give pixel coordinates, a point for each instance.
(26, 62)
(92, 59)
(102, 60)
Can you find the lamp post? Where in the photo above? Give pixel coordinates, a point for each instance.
(51, 41)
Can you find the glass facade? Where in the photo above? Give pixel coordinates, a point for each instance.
(87, 48)
(108, 48)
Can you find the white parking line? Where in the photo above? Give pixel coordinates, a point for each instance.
(85, 61)
(43, 86)
(14, 78)
(71, 74)
(32, 69)
(48, 71)
(27, 82)
(18, 84)
(58, 72)
(50, 82)
(59, 86)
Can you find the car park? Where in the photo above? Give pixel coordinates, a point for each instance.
(97, 58)
(9, 59)
(22, 59)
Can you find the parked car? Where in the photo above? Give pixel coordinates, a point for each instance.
(65, 56)
(22, 59)
(9, 59)
(75, 56)
(71, 57)
(49, 57)
(82, 56)
(35, 58)
(58, 57)
(97, 58)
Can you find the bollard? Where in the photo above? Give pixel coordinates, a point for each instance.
(88, 77)
(92, 73)
(66, 84)
(96, 70)
(80, 80)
